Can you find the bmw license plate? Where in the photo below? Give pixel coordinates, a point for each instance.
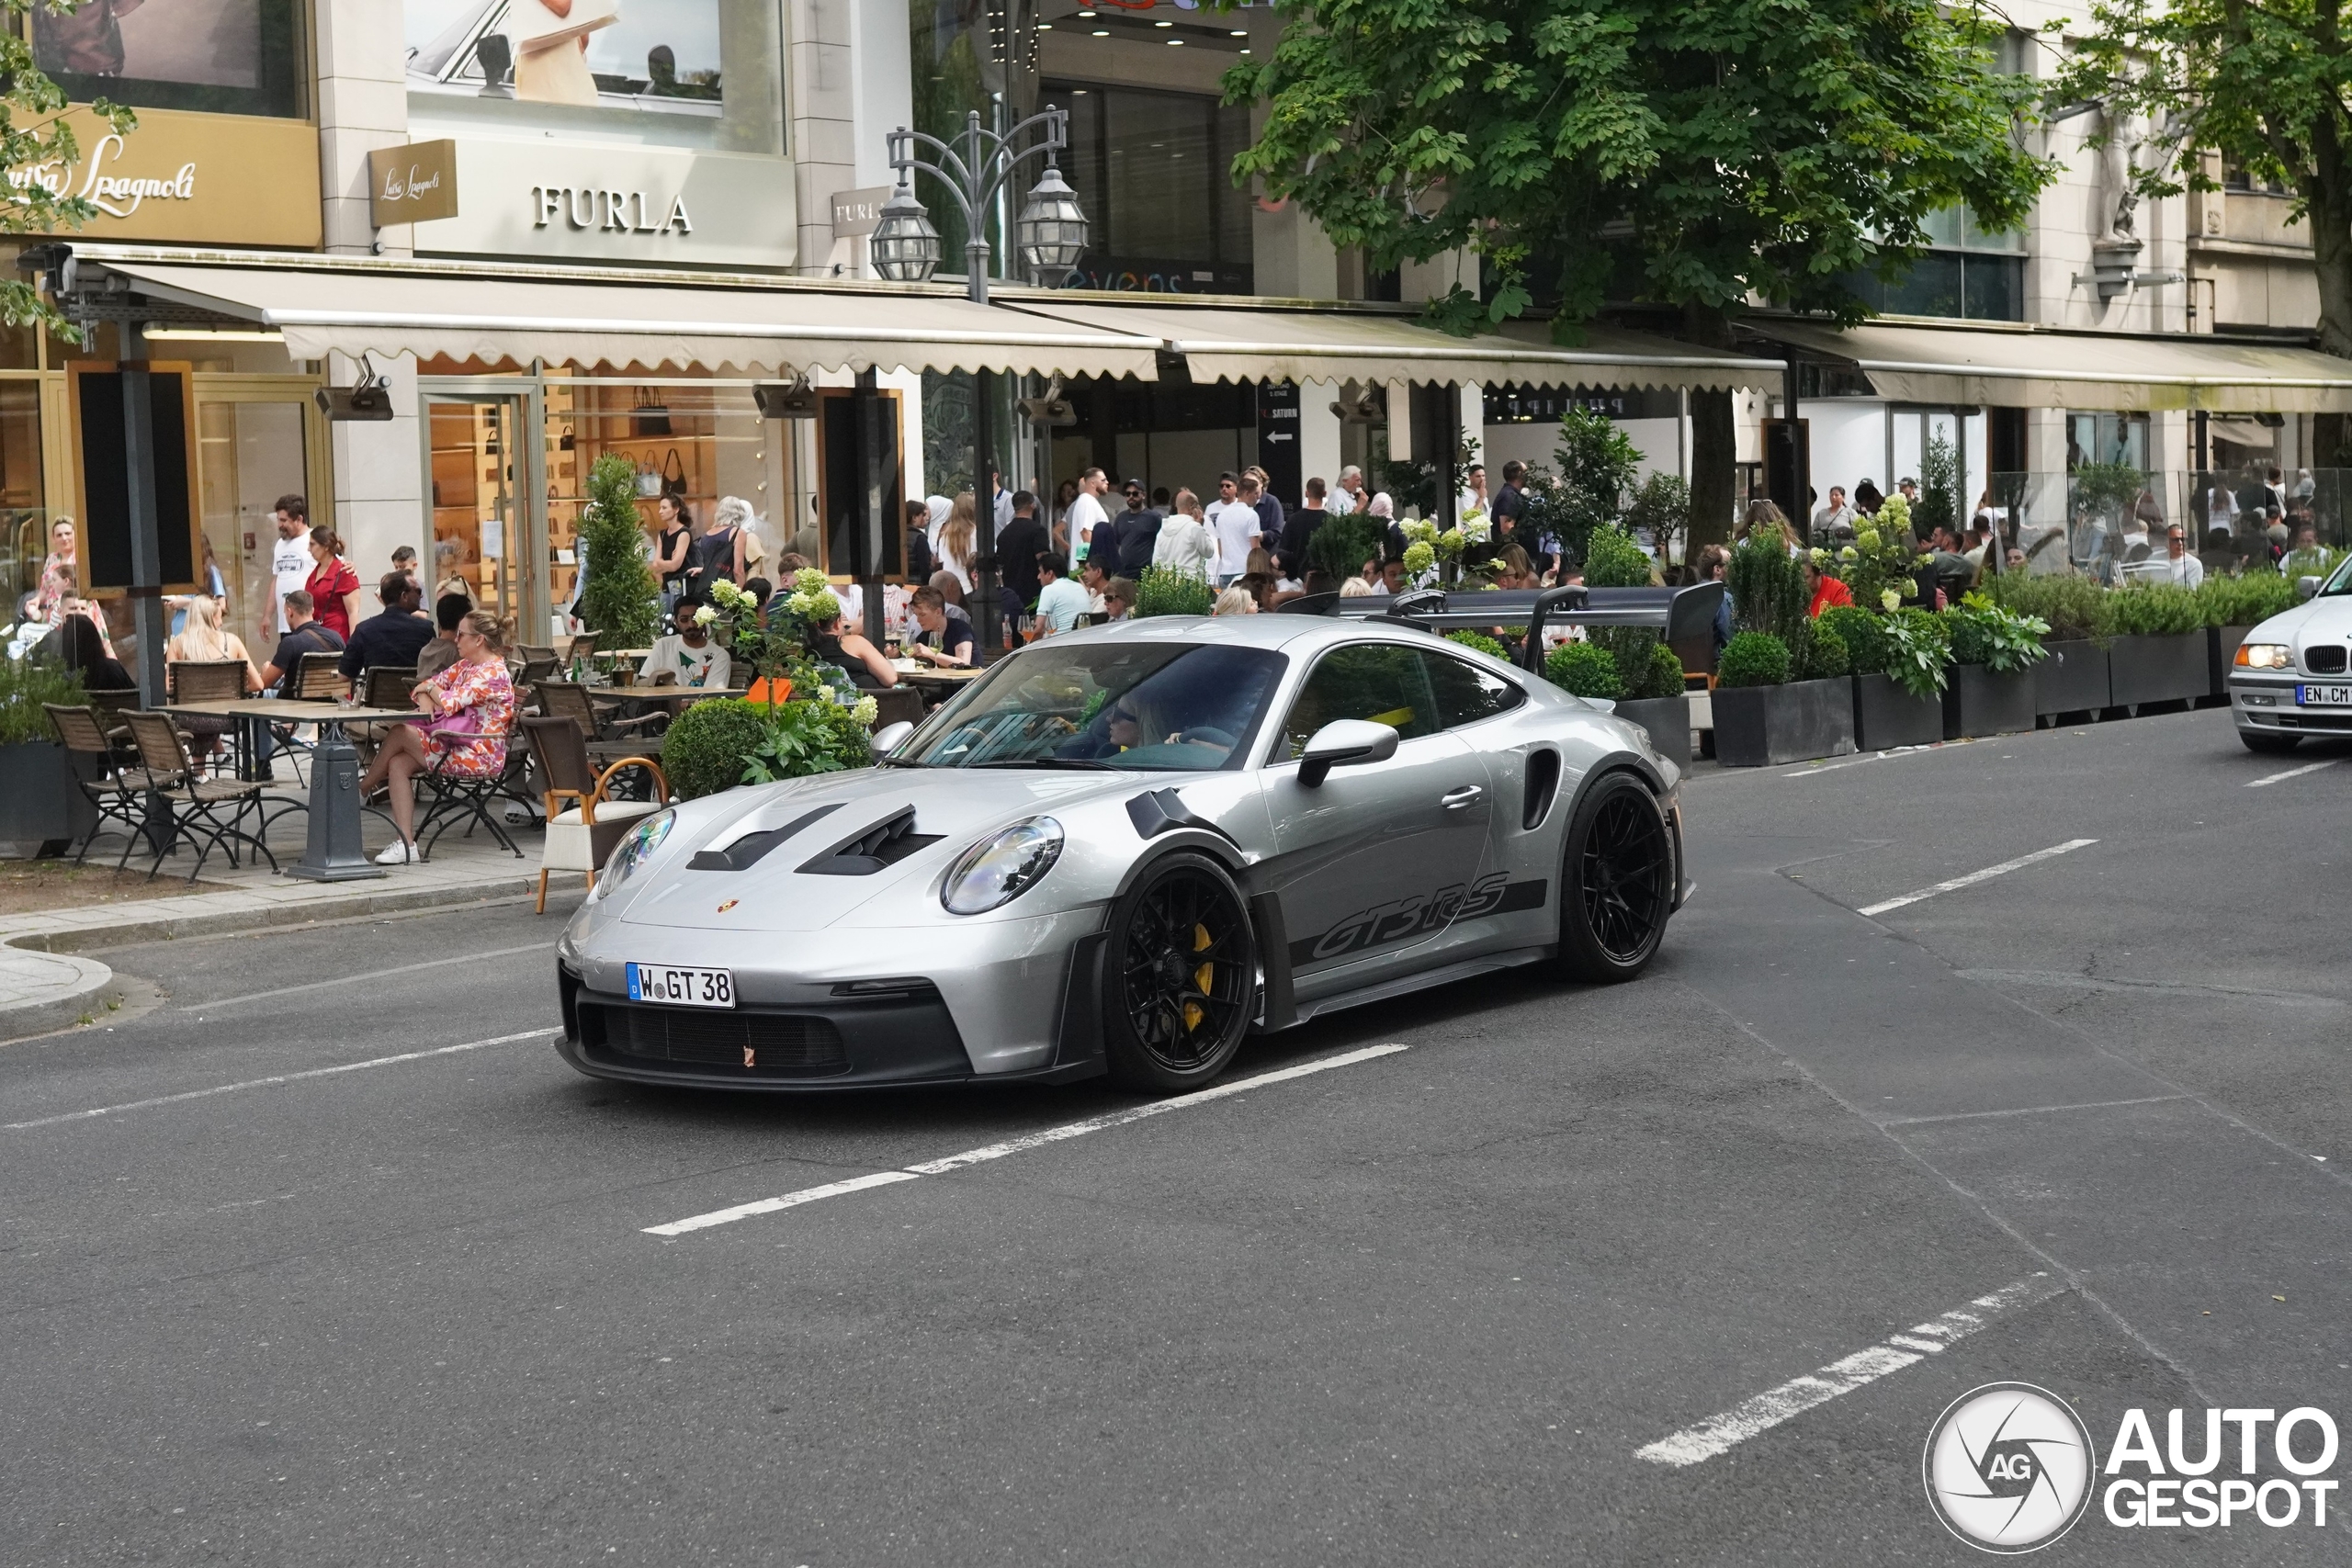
(680, 987)
(2311, 696)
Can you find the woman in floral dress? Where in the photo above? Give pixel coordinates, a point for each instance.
(473, 698)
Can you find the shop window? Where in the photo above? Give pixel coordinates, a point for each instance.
(248, 454)
(24, 523)
(217, 56)
(664, 73)
(1153, 172)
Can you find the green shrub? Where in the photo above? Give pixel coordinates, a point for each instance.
(1767, 589)
(1825, 656)
(1918, 646)
(1612, 559)
(2001, 640)
(2075, 607)
(1341, 545)
(1864, 634)
(708, 747)
(2154, 609)
(1665, 673)
(1586, 669)
(2244, 600)
(622, 604)
(24, 684)
(1165, 591)
(815, 735)
(1753, 658)
(1661, 509)
(1480, 641)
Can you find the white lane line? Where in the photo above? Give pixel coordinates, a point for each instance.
(2032, 1109)
(1801, 771)
(2292, 773)
(277, 1078)
(1015, 1145)
(347, 982)
(1976, 876)
(1720, 1434)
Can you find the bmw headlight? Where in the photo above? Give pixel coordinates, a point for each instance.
(998, 870)
(2265, 656)
(634, 850)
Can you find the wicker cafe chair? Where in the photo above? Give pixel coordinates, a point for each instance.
(581, 837)
(117, 789)
(317, 679)
(468, 797)
(204, 681)
(389, 686)
(197, 803)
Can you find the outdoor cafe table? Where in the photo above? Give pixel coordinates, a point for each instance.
(946, 676)
(331, 852)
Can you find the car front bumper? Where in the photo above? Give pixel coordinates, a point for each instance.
(2266, 704)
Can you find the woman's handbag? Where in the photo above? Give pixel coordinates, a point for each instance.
(673, 475)
(652, 416)
(648, 480)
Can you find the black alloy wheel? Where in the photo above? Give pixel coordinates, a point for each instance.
(1180, 976)
(1617, 882)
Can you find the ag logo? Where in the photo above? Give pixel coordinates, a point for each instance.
(2008, 1468)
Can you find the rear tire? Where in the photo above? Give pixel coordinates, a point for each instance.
(1180, 976)
(2270, 745)
(1616, 882)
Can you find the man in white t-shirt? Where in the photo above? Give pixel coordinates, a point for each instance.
(1086, 514)
(1349, 496)
(1233, 524)
(289, 557)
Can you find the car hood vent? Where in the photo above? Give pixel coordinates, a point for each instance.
(885, 843)
(745, 852)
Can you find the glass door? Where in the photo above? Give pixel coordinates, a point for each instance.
(249, 454)
(480, 470)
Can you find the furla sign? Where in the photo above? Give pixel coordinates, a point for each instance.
(553, 200)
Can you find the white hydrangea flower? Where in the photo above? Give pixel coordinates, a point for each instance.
(1889, 599)
(867, 711)
(1477, 530)
(706, 616)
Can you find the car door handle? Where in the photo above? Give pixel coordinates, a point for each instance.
(1459, 800)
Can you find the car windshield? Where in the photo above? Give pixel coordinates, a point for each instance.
(2339, 582)
(1152, 706)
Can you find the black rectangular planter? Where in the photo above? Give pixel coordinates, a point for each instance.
(2071, 677)
(1764, 726)
(1979, 703)
(1886, 716)
(2221, 648)
(2158, 670)
(1667, 720)
(41, 806)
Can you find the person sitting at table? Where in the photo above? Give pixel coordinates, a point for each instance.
(449, 613)
(305, 634)
(204, 643)
(395, 638)
(80, 647)
(836, 644)
(472, 703)
(942, 639)
(687, 658)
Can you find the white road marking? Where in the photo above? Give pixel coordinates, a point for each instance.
(2033, 1110)
(1805, 772)
(1976, 876)
(277, 1078)
(346, 983)
(1016, 1145)
(1720, 1434)
(2292, 772)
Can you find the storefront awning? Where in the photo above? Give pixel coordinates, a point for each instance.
(515, 318)
(1232, 342)
(2030, 368)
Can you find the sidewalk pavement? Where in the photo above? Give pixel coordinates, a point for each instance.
(47, 983)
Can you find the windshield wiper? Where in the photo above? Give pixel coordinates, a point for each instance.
(902, 762)
(1083, 763)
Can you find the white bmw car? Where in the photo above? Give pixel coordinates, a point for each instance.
(2292, 676)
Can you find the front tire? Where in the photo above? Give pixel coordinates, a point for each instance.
(2270, 745)
(1182, 969)
(1616, 882)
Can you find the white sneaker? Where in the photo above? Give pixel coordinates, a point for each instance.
(400, 852)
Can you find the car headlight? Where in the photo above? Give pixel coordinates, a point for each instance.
(2265, 656)
(635, 849)
(998, 870)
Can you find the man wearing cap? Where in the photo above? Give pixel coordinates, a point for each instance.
(1135, 531)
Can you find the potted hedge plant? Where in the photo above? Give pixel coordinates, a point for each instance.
(1886, 714)
(1650, 675)
(2234, 606)
(2073, 678)
(1165, 591)
(1763, 718)
(2157, 653)
(43, 807)
(1993, 651)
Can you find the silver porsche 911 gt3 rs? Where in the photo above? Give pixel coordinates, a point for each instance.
(1121, 850)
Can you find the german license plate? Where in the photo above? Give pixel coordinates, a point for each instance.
(2311, 696)
(678, 986)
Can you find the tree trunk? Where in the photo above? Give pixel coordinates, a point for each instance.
(1714, 443)
(2330, 225)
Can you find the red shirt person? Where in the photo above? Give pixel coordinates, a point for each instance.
(334, 586)
(1826, 590)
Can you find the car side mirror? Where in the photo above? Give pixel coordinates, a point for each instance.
(886, 739)
(2306, 586)
(1344, 743)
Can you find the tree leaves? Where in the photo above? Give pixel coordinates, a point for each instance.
(34, 133)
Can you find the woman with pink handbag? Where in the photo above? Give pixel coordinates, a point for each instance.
(471, 704)
(551, 39)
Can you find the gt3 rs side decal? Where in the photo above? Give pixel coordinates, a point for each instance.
(1417, 914)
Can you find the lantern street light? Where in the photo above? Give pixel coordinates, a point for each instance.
(1050, 235)
(904, 245)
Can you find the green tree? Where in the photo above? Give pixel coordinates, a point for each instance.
(34, 140)
(621, 604)
(1743, 150)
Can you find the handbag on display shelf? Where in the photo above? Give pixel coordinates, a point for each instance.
(674, 483)
(532, 25)
(652, 416)
(648, 480)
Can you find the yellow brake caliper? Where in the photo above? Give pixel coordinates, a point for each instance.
(1201, 978)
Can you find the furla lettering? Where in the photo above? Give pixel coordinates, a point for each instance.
(608, 211)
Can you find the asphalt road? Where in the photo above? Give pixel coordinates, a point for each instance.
(1426, 1306)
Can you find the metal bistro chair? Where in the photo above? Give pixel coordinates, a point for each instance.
(389, 686)
(197, 802)
(581, 837)
(204, 681)
(468, 797)
(317, 679)
(116, 791)
(567, 699)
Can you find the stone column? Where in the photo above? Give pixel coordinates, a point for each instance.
(362, 104)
